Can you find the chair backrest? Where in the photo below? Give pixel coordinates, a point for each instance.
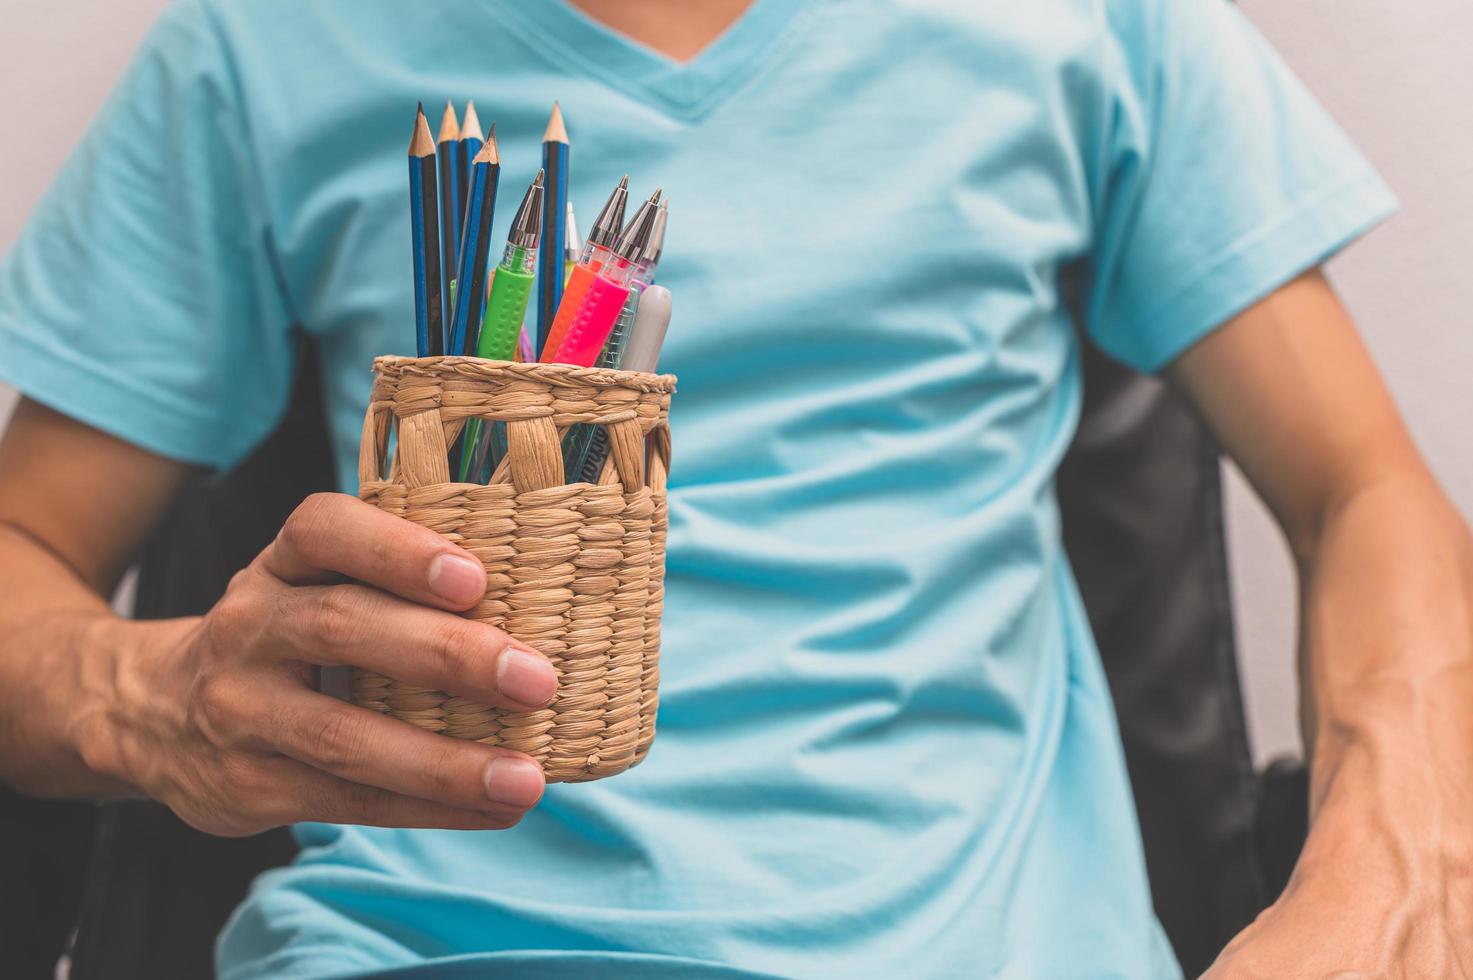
(1142, 515)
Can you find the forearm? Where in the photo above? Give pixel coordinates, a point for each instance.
(1387, 679)
(61, 657)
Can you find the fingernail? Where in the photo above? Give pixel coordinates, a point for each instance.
(525, 677)
(456, 578)
(514, 782)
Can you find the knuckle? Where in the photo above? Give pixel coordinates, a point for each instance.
(339, 740)
(306, 523)
(364, 804)
(338, 617)
(222, 707)
(444, 773)
(449, 646)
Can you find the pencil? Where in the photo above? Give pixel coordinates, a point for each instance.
(467, 147)
(450, 220)
(554, 213)
(475, 245)
(425, 231)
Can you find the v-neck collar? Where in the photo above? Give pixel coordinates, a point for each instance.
(684, 89)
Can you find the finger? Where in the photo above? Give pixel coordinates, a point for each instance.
(307, 793)
(332, 535)
(353, 625)
(364, 747)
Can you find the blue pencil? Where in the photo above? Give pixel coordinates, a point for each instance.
(554, 215)
(475, 244)
(451, 210)
(467, 147)
(425, 229)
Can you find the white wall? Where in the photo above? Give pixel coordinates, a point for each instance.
(1397, 75)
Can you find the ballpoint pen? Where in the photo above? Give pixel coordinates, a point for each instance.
(581, 439)
(572, 245)
(594, 253)
(510, 291)
(583, 322)
(641, 353)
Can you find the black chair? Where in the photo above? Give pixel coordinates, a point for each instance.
(1142, 506)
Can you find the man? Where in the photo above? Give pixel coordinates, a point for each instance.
(886, 746)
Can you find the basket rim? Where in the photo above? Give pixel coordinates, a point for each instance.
(484, 369)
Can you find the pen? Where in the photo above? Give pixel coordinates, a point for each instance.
(642, 353)
(595, 251)
(572, 246)
(585, 326)
(581, 440)
(502, 326)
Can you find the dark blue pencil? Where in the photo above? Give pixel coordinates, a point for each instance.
(554, 215)
(451, 216)
(425, 228)
(467, 146)
(475, 244)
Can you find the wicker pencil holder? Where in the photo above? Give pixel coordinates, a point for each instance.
(576, 570)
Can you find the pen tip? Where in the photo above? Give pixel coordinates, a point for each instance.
(537, 181)
(655, 197)
(624, 182)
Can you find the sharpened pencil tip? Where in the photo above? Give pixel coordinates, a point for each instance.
(488, 154)
(449, 125)
(421, 144)
(470, 128)
(557, 132)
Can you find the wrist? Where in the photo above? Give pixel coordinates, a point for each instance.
(123, 690)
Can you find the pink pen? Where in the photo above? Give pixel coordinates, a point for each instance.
(587, 325)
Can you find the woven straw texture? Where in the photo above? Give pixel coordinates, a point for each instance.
(576, 570)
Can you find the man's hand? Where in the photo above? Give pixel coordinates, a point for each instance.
(219, 719)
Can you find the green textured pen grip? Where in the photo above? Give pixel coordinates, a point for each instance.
(502, 323)
(500, 327)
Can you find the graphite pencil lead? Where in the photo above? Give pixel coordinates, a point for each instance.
(556, 131)
(470, 128)
(449, 125)
(421, 144)
(494, 149)
(487, 154)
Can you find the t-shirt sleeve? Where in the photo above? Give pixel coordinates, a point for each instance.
(142, 296)
(1220, 179)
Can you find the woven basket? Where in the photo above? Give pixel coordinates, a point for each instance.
(576, 570)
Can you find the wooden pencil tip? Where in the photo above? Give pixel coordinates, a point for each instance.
(556, 131)
(491, 142)
(471, 127)
(487, 153)
(449, 125)
(421, 144)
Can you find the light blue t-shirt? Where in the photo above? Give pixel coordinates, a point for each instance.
(885, 743)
